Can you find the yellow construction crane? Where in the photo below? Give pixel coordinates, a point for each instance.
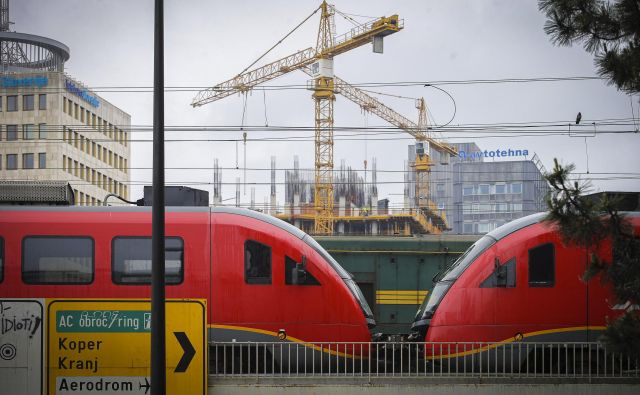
(318, 62)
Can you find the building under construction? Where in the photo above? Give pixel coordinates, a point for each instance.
(356, 209)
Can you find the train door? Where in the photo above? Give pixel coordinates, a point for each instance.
(386, 295)
(602, 306)
(555, 294)
(507, 292)
(402, 283)
(244, 278)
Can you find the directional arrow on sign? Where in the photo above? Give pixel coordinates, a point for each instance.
(146, 385)
(188, 349)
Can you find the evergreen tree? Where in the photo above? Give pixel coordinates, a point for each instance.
(610, 29)
(592, 224)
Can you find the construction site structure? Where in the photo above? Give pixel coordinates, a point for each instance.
(318, 63)
(357, 210)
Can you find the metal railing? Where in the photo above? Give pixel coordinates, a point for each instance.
(387, 359)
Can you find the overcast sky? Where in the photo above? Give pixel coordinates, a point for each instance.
(207, 42)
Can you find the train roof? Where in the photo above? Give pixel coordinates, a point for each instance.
(515, 225)
(533, 219)
(213, 210)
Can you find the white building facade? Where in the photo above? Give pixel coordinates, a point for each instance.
(52, 127)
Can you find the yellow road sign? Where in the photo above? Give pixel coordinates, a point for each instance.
(103, 346)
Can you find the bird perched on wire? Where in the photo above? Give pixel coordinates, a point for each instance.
(578, 118)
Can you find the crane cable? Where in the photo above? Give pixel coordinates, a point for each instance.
(280, 41)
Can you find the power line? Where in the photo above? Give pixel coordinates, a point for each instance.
(183, 182)
(187, 88)
(496, 134)
(358, 170)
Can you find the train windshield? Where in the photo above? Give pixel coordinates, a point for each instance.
(346, 277)
(461, 264)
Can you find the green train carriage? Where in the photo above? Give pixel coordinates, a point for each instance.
(395, 273)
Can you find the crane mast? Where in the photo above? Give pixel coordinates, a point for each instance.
(324, 97)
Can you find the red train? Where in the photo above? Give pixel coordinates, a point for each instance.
(518, 283)
(263, 279)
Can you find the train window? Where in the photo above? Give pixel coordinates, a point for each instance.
(131, 260)
(289, 266)
(257, 263)
(504, 276)
(57, 260)
(1, 259)
(542, 266)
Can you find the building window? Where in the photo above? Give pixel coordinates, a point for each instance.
(257, 263)
(27, 103)
(28, 131)
(516, 187)
(483, 227)
(42, 101)
(485, 208)
(467, 190)
(516, 207)
(501, 189)
(440, 190)
(42, 131)
(12, 132)
(27, 161)
(12, 103)
(501, 207)
(12, 161)
(467, 228)
(483, 189)
(542, 266)
(57, 260)
(42, 160)
(131, 260)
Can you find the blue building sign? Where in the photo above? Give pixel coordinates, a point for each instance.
(82, 93)
(498, 153)
(15, 82)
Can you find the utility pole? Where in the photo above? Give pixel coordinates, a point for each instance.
(158, 335)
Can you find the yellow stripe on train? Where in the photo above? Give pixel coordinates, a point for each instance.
(400, 297)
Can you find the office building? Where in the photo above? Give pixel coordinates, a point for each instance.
(52, 127)
(480, 189)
